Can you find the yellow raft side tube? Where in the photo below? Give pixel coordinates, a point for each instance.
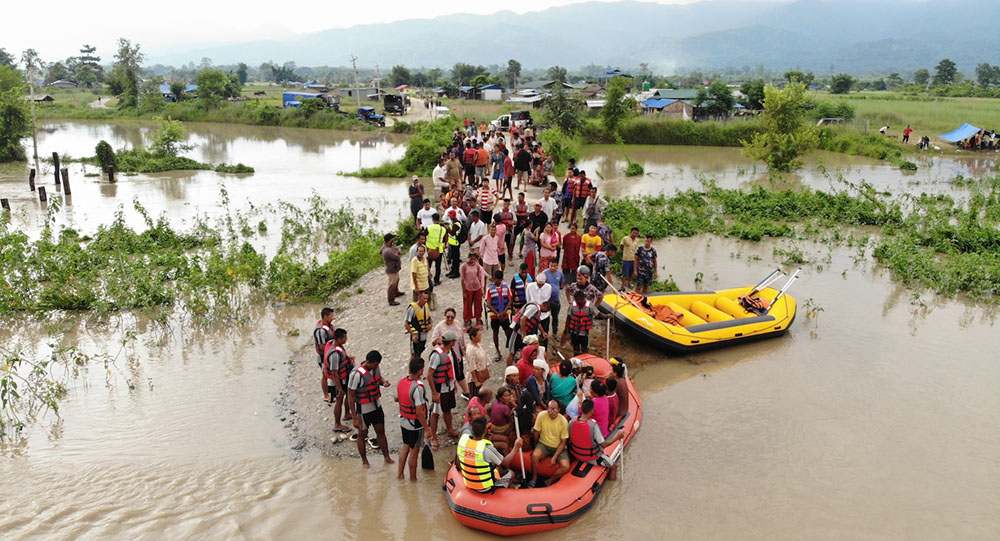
(711, 318)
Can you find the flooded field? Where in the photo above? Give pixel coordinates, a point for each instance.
(874, 418)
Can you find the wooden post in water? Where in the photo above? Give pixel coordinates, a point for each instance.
(31, 180)
(65, 178)
(55, 164)
(111, 174)
(41, 194)
(5, 205)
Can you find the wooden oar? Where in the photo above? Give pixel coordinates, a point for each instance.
(517, 431)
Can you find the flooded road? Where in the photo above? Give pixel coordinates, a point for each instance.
(876, 418)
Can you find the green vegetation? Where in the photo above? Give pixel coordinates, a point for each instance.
(561, 147)
(667, 131)
(926, 241)
(925, 114)
(633, 169)
(617, 107)
(849, 141)
(784, 138)
(209, 272)
(104, 155)
(423, 151)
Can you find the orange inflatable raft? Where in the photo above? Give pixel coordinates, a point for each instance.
(508, 511)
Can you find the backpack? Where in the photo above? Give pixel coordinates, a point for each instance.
(463, 234)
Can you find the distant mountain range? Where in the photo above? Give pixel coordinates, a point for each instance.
(855, 36)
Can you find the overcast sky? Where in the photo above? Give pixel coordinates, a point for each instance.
(57, 28)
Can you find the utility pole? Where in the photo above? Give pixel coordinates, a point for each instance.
(378, 76)
(357, 87)
(30, 58)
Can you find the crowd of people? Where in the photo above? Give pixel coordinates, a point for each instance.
(519, 273)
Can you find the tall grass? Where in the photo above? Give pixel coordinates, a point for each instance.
(927, 116)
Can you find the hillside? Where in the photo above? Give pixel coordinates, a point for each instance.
(847, 35)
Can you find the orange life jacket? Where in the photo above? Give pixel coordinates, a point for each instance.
(406, 408)
(581, 444)
(369, 390)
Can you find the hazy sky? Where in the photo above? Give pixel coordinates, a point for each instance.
(57, 28)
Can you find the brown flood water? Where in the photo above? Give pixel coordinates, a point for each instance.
(877, 419)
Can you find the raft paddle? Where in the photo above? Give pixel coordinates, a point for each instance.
(517, 430)
(765, 282)
(784, 288)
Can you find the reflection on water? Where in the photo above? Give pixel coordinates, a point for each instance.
(875, 418)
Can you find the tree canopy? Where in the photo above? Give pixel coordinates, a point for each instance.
(785, 137)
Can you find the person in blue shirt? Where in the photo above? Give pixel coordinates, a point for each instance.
(555, 278)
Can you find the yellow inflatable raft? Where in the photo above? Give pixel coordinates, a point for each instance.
(691, 321)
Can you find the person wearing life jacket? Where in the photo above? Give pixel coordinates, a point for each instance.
(364, 390)
(480, 463)
(499, 301)
(322, 334)
(518, 286)
(418, 324)
(437, 238)
(579, 321)
(581, 191)
(454, 245)
(412, 398)
(441, 376)
(526, 321)
(585, 439)
(337, 367)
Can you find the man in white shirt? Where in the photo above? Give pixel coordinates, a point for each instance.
(548, 204)
(459, 213)
(539, 292)
(477, 230)
(426, 215)
(439, 176)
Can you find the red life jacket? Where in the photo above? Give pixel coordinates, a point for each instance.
(445, 371)
(343, 369)
(369, 390)
(579, 318)
(329, 333)
(582, 188)
(581, 445)
(406, 408)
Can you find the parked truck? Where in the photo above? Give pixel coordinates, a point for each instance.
(394, 104)
(522, 119)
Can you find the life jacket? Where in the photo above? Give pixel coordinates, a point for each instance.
(320, 329)
(369, 390)
(581, 444)
(522, 209)
(499, 299)
(579, 318)
(406, 408)
(530, 324)
(345, 363)
(582, 188)
(421, 318)
(756, 305)
(518, 285)
(477, 473)
(435, 237)
(507, 218)
(445, 371)
(454, 239)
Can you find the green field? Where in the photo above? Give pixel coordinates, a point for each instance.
(926, 115)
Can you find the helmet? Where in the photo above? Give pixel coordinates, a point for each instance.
(583, 269)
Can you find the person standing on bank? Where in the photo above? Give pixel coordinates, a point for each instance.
(418, 324)
(441, 375)
(437, 239)
(322, 334)
(338, 366)
(393, 264)
(457, 349)
(412, 400)
(473, 284)
(454, 244)
(416, 198)
(364, 390)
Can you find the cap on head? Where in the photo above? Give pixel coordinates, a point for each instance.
(583, 269)
(510, 371)
(449, 336)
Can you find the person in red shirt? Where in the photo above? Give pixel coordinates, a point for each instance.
(571, 253)
(906, 134)
(469, 163)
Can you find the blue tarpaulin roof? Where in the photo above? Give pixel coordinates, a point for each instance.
(465, 88)
(188, 88)
(656, 104)
(964, 131)
(490, 87)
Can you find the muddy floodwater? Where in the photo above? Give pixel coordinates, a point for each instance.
(874, 418)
